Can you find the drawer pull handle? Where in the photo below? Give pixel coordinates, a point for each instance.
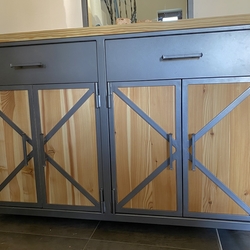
(181, 57)
(27, 65)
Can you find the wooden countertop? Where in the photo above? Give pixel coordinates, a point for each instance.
(130, 28)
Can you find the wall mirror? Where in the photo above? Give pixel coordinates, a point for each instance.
(106, 12)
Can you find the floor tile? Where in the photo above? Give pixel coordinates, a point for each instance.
(81, 229)
(16, 241)
(158, 235)
(108, 245)
(234, 240)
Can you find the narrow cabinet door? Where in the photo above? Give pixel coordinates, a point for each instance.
(17, 172)
(69, 133)
(145, 141)
(216, 141)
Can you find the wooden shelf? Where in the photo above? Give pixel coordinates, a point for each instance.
(126, 29)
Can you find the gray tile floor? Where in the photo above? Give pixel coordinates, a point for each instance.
(38, 233)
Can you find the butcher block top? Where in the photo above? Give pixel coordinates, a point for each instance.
(129, 28)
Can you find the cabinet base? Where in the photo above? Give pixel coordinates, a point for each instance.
(174, 221)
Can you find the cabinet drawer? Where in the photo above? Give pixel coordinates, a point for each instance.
(179, 56)
(52, 63)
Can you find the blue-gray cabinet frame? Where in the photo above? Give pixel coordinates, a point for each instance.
(190, 143)
(105, 211)
(38, 140)
(43, 139)
(31, 155)
(114, 88)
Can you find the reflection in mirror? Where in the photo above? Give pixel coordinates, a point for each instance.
(107, 12)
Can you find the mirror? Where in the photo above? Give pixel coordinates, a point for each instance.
(107, 12)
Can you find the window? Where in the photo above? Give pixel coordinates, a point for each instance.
(169, 15)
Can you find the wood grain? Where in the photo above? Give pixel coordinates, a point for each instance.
(73, 147)
(140, 149)
(223, 150)
(21, 188)
(129, 28)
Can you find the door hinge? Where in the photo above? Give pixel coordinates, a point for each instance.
(103, 206)
(109, 96)
(97, 96)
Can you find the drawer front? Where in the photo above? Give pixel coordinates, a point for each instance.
(52, 63)
(179, 56)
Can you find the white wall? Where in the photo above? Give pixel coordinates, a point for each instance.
(211, 8)
(32, 15)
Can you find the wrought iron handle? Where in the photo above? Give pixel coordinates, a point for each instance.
(24, 139)
(26, 65)
(170, 138)
(42, 148)
(113, 201)
(193, 152)
(182, 57)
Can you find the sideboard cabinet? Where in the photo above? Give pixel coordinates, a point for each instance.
(148, 127)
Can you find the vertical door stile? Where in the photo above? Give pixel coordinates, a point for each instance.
(40, 161)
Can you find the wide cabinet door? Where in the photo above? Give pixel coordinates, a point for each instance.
(216, 141)
(18, 186)
(69, 133)
(145, 147)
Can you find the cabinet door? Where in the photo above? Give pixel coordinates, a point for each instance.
(17, 171)
(69, 134)
(216, 116)
(145, 141)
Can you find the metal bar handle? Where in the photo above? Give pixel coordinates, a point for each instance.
(24, 139)
(26, 65)
(182, 57)
(193, 152)
(113, 201)
(42, 149)
(170, 138)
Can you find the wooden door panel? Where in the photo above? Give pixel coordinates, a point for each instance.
(159, 194)
(223, 149)
(14, 122)
(22, 188)
(73, 146)
(151, 100)
(55, 103)
(205, 101)
(141, 151)
(60, 191)
(15, 105)
(205, 197)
